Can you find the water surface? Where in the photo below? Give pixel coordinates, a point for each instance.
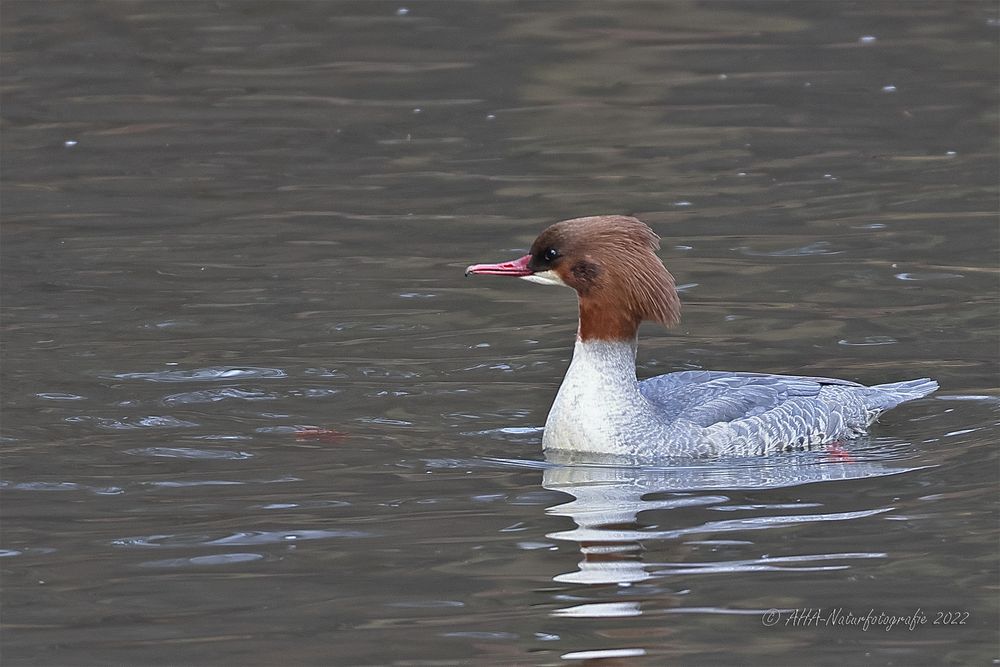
(252, 412)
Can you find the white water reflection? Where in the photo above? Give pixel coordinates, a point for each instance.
(607, 500)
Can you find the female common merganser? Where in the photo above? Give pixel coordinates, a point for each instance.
(601, 408)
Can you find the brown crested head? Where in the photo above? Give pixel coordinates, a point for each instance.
(611, 262)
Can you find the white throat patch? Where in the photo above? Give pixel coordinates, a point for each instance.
(549, 277)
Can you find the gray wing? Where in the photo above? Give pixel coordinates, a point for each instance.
(709, 397)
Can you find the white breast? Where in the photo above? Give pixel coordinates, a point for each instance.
(599, 407)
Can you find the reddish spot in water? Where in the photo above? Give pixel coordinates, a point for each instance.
(320, 435)
(838, 453)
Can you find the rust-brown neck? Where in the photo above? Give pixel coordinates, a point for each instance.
(606, 321)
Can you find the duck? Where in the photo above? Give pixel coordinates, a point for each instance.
(601, 407)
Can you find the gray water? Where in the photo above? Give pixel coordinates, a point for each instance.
(254, 414)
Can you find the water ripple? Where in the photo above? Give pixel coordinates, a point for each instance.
(817, 248)
(189, 453)
(234, 539)
(29, 551)
(152, 421)
(180, 484)
(210, 374)
(306, 504)
(928, 275)
(59, 396)
(516, 434)
(869, 340)
(609, 653)
(969, 397)
(588, 534)
(764, 564)
(216, 395)
(203, 561)
(601, 610)
(61, 486)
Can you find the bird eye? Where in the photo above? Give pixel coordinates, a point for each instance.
(550, 254)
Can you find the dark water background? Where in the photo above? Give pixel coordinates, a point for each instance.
(228, 223)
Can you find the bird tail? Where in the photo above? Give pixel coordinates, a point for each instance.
(895, 393)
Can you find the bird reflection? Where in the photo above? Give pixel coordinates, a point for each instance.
(608, 496)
